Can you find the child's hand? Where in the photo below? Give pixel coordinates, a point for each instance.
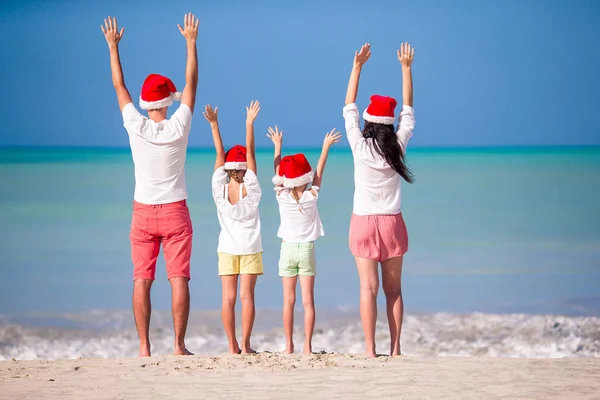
(210, 114)
(360, 58)
(406, 54)
(252, 112)
(276, 136)
(331, 138)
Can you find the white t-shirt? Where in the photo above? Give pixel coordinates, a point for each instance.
(300, 223)
(158, 150)
(240, 222)
(376, 184)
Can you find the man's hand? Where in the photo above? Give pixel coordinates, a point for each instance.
(111, 31)
(276, 136)
(211, 115)
(190, 27)
(360, 58)
(252, 112)
(406, 55)
(331, 138)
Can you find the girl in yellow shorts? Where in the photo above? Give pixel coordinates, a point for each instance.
(237, 193)
(300, 227)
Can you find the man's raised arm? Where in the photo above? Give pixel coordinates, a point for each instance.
(190, 33)
(113, 37)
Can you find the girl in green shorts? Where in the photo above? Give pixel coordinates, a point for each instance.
(297, 187)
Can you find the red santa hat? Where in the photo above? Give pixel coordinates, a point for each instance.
(294, 171)
(157, 92)
(381, 110)
(235, 158)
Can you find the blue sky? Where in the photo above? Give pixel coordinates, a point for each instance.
(486, 73)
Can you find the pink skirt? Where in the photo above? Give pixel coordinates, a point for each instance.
(378, 237)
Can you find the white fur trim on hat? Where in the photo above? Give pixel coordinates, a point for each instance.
(277, 180)
(155, 105)
(236, 165)
(299, 181)
(378, 120)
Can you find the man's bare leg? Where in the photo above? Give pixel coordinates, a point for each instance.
(180, 299)
(247, 285)
(141, 313)
(229, 285)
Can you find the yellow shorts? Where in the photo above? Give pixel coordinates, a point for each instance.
(245, 264)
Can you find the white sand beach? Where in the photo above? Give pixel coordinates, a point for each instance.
(321, 376)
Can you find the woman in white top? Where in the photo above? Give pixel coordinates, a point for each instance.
(237, 194)
(377, 231)
(300, 227)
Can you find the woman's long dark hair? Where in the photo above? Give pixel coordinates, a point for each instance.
(386, 144)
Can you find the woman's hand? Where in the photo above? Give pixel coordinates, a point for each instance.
(276, 136)
(211, 115)
(252, 112)
(331, 138)
(360, 58)
(406, 55)
(190, 27)
(111, 32)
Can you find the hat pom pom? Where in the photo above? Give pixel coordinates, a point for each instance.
(176, 96)
(277, 180)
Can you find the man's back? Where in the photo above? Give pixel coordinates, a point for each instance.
(159, 152)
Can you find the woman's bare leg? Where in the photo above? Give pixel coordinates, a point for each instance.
(289, 301)
(307, 285)
(247, 285)
(229, 289)
(369, 286)
(391, 276)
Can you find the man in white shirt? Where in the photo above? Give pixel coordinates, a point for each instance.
(160, 213)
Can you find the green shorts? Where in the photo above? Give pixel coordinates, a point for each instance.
(297, 259)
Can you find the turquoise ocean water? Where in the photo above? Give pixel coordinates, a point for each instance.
(491, 230)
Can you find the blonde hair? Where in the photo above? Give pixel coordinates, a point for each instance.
(295, 196)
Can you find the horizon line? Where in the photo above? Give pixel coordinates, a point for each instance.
(318, 147)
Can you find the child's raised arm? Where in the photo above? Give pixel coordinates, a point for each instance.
(360, 58)
(277, 137)
(212, 117)
(251, 113)
(330, 139)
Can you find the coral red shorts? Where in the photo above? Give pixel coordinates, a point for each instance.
(378, 237)
(151, 225)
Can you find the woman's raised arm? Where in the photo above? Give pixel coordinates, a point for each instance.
(360, 58)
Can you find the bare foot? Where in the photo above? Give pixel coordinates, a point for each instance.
(370, 354)
(289, 349)
(307, 350)
(248, 351)
(183, 352)
(235, 351)
(144, 351)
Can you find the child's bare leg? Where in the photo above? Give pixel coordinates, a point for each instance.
(391, 276)
(289, 301)
(307, 285)
(229, 289)
(247, 285)
(369, 286)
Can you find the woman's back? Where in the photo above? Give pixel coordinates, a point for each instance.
(377, 184)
